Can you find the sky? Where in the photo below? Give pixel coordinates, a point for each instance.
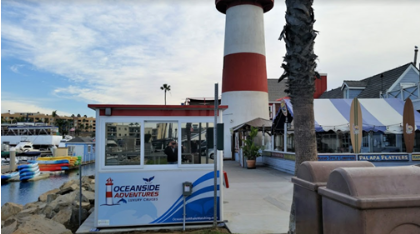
(63, 55)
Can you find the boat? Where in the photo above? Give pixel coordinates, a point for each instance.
(6, 161)
(5, 154)
(41, 135)
(25, 146)
(9, 176)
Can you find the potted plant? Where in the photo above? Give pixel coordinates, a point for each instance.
(250, 150)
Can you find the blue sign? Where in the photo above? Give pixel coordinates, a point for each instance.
(384, 157)
(337, 157)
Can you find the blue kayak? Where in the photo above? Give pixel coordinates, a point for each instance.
(28, 169)
(9, 175)
(20, 167)
(27, 177)
(53, 161)
(28, 173)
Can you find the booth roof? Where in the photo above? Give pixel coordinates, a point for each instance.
(257, 123)
(155, 110)
(378, 114)
(155, 107)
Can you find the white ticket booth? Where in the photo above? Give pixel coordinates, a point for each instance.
(137, 181)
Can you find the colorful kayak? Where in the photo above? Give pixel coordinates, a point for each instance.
(72, 160)
(9, 175)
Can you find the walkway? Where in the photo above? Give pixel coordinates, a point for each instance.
(258, 200)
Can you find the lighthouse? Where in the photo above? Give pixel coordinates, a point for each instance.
(109, 192)
(244, 82)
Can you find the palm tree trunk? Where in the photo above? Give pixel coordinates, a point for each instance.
(165, 97)
(299, 68)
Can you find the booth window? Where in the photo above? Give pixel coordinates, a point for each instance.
(122, 150)
(197, 143)
(157, 137)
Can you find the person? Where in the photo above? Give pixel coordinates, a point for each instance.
(171, 153)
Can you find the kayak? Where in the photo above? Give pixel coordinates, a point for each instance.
(27, 166)
(52, 162)
(27, 177)
(9, 175)
(50, 169)
(28, 173)
(53, 165)
(28, 169)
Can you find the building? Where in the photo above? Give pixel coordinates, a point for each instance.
(75, 125)
(401, 82)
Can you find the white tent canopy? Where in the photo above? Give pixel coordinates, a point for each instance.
(385, 115)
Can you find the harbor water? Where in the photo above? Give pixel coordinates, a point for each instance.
(25, 192)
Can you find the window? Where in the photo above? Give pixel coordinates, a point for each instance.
(154, 148)
(71, 150)
(197, 143)
(121, 150)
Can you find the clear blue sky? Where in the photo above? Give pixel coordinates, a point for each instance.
(63, 55)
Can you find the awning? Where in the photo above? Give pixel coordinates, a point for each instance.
(257, 123)
(379, 114)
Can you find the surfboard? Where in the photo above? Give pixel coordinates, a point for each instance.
(408, 125)
(356, 125)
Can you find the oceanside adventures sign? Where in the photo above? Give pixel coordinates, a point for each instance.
(384, 157)
(153, 197)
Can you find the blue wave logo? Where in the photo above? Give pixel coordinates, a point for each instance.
(200, 209)
(148, 180)
(122, 200)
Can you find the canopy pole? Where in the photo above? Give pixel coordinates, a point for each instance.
(285, 136)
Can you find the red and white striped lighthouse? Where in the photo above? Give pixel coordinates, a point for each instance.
(109, 191)
(244, 85)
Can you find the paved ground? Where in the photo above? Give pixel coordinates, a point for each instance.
(258, 200)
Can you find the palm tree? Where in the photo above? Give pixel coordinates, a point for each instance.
(165, 87)
(299, 67)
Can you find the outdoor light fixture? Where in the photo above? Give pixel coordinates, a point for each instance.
(108, 111)
(186, 191)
